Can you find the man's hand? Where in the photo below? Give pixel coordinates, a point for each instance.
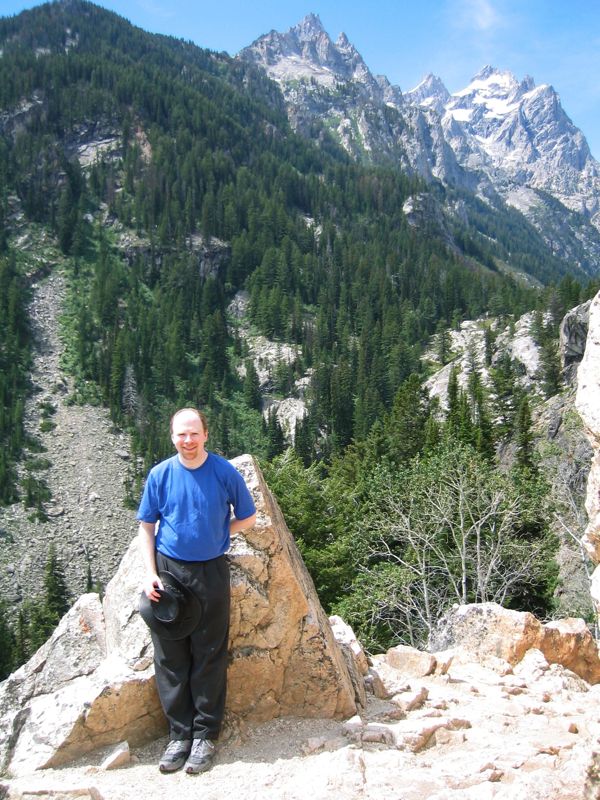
(152, 584)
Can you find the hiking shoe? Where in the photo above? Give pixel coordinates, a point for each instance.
(200, 757)
(175, 755)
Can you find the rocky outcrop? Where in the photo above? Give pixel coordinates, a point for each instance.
(451, 725)
(467, 347)
(73, 696)
(92, 683)
(268, 357)
(573, 337)
(487, 631)
(588, 380)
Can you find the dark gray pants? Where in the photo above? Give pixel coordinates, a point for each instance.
(191, 673)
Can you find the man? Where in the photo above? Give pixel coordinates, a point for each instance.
(190, 496)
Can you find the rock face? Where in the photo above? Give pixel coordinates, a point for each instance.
(467, 347)
(573, 337)
(521, 130)
(92, 683)
(285, 660)
(588, 379)
(269, 357)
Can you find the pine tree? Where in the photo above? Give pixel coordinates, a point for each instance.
(488, 343)
(537, 328)
(432, 434)
(342, 405)
(22, 648)
(66, 218)
(443, 342)
(524, 436)
(89, 581)
(276, 439)
(404, 426)
(303, 441)
(550, 367)
(505, 392)
(252, 395)
(484, 436)
(44, 614)
(56, 594)
(7, 644)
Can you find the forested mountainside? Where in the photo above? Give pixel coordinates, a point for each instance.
(500, 138)
(165, 182)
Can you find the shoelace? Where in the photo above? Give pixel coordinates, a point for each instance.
(202, 745)
(175, 747)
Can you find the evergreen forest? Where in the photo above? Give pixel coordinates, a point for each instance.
(400, 508)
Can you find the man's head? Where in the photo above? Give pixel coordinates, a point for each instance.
(189, 432)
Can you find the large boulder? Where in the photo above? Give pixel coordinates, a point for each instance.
(285, 660)
(72, 697)
(92, 683)
(569, 642)
(488, 632)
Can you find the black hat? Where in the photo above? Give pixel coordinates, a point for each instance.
(176, 613)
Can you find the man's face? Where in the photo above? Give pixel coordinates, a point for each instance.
(189, 438)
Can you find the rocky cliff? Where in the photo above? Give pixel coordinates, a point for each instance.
(589, 408)
(561, 445)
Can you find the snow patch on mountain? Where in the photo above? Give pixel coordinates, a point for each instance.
(497, 135)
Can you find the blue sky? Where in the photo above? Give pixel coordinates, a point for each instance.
(554, 41)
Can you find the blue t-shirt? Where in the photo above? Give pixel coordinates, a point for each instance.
(193, 506)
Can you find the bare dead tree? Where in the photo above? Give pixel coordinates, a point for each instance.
(452, 538)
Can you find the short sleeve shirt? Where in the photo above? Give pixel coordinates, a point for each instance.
(193, 506)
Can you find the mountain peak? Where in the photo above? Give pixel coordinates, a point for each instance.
(527, 84)
(308, 27)
(491, 77)
(343, 42)
(307, 53)
(485, 73)
(430, 93)
(429, 85)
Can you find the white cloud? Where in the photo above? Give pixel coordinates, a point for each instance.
(477, 16)
(484, 15)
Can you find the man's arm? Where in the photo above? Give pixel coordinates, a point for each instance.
(238, 525)
(147, 543)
